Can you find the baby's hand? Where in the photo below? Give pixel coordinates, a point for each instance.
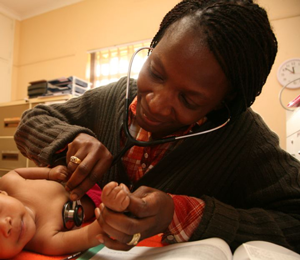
(116, 197)
(59, 173)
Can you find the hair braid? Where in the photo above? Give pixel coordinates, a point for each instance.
(180, 10)
(239, 34)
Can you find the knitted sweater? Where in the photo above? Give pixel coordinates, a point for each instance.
(251, 187)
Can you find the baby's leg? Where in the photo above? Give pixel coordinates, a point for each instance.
(115, 196)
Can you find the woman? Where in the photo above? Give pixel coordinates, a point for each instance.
(209, 61)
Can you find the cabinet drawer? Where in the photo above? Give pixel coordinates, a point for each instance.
(10, 117)
(10, 156)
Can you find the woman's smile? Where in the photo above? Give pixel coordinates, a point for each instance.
(150, 119)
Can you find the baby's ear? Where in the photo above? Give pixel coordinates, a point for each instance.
(2, 192)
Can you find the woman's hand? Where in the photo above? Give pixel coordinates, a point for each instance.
(95, 161)
(152, 210)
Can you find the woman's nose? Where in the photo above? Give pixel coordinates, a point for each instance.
(5, 226)
(160, 102)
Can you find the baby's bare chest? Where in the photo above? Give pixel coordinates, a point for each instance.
(48, 199)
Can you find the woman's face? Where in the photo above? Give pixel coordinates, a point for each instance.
(17, 226)
(180, 83)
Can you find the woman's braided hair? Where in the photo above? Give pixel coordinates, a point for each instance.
(239, 34)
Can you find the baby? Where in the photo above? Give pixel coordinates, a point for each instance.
(31, 206)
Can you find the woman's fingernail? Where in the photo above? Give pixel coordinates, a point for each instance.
(100, 238)
(101, 206)
(125, 188)
(97, 213)
(74, 196)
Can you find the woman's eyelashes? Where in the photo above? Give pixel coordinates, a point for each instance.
(154, 74)
(187, 102)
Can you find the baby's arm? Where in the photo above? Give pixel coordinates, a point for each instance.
(66, 242)
(115, 196)
(58, 173)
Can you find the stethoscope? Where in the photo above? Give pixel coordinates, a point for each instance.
(72, 211)
(131, 141)
(72, 214)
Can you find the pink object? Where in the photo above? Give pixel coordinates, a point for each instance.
(295, 102)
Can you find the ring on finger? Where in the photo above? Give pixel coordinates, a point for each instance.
(135, 239)
(75, 159)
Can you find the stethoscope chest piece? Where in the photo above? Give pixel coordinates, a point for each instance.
(72, 214)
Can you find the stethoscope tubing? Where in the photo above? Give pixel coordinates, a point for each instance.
(131, 141)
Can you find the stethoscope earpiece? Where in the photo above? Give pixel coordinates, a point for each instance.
(73, 214)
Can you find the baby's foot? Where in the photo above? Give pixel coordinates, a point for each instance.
(115, 196)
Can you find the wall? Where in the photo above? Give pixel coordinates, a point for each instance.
(7, 25)
(55, 44)
(285, 19)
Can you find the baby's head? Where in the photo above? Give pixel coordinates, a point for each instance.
(17, 226)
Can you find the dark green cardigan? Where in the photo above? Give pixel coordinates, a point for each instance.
(251, 186)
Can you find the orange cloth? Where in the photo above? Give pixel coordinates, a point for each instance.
(154, 241)
(25, 255)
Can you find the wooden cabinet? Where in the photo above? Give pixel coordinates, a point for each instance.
(10, 115)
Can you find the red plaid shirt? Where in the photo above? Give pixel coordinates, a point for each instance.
(139, 160)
